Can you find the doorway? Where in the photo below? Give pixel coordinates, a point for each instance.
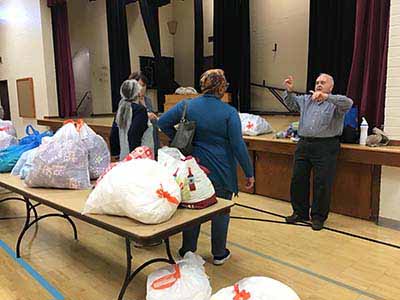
(5, 100)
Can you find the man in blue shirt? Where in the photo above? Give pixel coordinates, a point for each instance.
(321, 124)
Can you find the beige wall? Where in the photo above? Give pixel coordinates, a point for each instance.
(88, 30)
(26, 50)
(286, 23)
(139, 43)
(208, 21)
(184, 42)
(390, 191)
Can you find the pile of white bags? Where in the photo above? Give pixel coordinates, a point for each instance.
(7, 140)
(140, 189)
(257, 288)
(69, 159)
(61, 162)
(185, 281)
(186, 91)
(7, 127)
(197, 190)
(7, 134)
(254, 125)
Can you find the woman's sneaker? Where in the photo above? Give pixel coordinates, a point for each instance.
(220, 260)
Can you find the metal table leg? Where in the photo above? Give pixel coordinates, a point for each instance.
(31, 207)
(28, 223)
(131, 275)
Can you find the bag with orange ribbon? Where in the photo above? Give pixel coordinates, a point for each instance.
(98, 153)
(197, 190)
(139, 189)
(61, 162)
(187, 280)
(256, 288)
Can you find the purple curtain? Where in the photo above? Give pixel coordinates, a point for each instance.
(63, 59)
(367, 81)
(51, 3)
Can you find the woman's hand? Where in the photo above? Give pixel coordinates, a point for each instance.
(152, 116)
(250, 183)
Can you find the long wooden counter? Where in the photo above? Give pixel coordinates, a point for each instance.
(356, 189)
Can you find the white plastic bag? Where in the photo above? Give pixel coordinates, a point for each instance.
(148, 137)
(99, 155)
(139, 189)
(61, 162)
(186, 91)
(16, 171)
(7, 127)
(257, 288)
(185, 281)
(254, 125)
(197, 190)
(27, 167)
(7, 140)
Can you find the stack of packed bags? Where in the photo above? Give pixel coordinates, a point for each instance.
(67, 160)
(254, 125)
(291, 132)
(8, 136)
(153, 190)
(197, 190)
(187, 280)
(14, 149)
(136, 188)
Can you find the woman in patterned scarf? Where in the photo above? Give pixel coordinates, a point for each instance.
(219, 145)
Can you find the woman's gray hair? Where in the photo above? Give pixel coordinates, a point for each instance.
(130, 91)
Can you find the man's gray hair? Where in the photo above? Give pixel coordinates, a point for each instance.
(329, 76)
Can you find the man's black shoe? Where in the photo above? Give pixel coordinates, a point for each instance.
(294, 218)
(317, 225)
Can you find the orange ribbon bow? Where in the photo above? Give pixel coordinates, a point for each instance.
(240, 295)
(78, 123)
(164, 194)
(167, 281)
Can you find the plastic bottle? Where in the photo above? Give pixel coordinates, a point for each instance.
(363, 132)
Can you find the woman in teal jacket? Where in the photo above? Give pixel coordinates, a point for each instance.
(219, 145)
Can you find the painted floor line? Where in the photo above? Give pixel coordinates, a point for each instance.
(47, 286)
(303, 270)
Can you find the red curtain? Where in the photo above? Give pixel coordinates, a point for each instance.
(63, 59)
(367, 82)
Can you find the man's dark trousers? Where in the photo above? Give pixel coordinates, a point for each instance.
(319, 155)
